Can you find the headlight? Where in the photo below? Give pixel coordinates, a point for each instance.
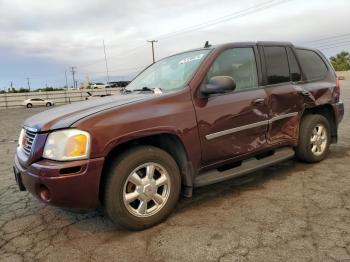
(69, 144)
(20, 139)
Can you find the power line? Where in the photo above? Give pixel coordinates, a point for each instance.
(218, 20)
(327, 38)
(330, 41)
(334, 46)
(329, 45)
(238, 14)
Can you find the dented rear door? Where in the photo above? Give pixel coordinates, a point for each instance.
(285, 95)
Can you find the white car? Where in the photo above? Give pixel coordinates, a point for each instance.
(37, 102)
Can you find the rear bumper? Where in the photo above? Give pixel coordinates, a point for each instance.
(73, 184)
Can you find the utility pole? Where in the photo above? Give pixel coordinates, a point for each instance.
(65, 74)
(104, 49)
(72, 70)
(11, 85)
(152, 43)
(28, 83)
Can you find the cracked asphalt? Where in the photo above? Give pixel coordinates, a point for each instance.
(289, 212)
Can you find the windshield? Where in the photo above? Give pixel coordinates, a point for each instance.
(169, 73)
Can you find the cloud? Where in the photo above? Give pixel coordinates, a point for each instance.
(70, 32)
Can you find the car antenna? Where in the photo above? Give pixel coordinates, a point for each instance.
(206, 45)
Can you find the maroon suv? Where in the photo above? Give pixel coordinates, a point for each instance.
(188, 120)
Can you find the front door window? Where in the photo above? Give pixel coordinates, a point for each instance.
(238, 63)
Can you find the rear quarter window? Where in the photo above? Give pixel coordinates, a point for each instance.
(312, 64)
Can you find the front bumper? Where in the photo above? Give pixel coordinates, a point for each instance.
(73, 184)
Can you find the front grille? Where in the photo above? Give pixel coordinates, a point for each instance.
(28, 141)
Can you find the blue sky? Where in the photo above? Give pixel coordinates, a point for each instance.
(40, 39)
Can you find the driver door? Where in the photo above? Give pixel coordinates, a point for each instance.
(235, 123)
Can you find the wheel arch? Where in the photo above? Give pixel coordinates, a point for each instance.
(327, 111)
(170, 143)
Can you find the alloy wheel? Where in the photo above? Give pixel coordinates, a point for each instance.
(318, 140)
(146, 189)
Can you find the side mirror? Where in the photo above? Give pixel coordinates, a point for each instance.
(219, 85)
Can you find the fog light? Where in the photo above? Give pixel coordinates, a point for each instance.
(44, 193)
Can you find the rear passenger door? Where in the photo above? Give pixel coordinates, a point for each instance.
(282, 85)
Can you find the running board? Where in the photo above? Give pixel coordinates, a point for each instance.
(247, 166)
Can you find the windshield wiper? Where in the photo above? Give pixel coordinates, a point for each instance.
(144, 89)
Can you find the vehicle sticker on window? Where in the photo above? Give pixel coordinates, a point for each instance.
(190, 59)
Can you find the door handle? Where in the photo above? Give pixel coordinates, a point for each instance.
(258, 101)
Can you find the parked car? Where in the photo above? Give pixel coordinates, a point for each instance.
(119, 83)
(37, 102)
(341, 77)
(114, 84)
(91, 96)
(222, 112)
(99, 85)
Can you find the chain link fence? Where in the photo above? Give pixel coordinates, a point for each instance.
(12, 100)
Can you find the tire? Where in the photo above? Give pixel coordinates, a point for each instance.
(48, 104)
(305, 150)
(117, 186)
(29, 105)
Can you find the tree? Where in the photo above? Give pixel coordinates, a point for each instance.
(341, 62)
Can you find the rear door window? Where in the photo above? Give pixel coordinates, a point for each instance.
(295, 74)
(312, 64)
(277, 68)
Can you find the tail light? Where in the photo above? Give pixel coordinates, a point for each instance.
(337, 90)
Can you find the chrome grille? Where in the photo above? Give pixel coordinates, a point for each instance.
(27, 142)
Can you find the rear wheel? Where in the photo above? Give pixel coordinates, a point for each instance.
(48, 104)
(29, 105)
(142, 187)
(314, 138)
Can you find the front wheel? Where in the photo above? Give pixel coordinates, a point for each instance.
(142, 187)
(48, 104)
(314, 138)
(29, 105)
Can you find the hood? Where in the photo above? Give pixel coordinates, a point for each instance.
(65, 116)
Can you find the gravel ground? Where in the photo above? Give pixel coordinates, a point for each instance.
(289, 212)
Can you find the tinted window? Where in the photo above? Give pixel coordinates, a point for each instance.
(313, 66)
(238, 63)
(276, 65)
(293, 66)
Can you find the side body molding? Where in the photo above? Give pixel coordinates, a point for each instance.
(253, 125)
